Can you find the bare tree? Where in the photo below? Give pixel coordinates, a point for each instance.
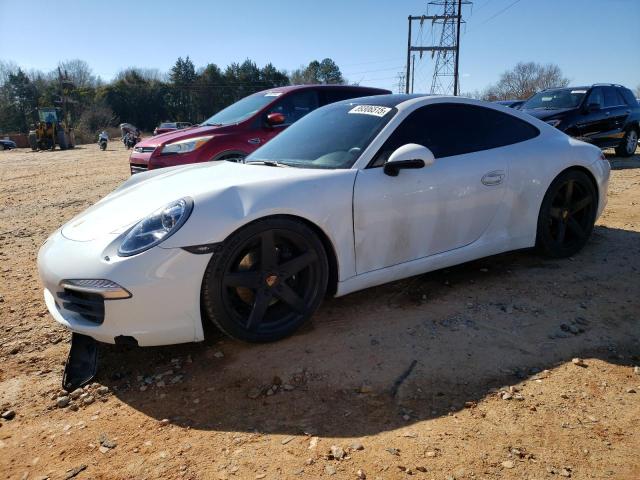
(524, 80)
(7, 68)
(638, 91)
(78, 71)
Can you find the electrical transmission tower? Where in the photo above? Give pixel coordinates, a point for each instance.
(401, 82)
(445, 22)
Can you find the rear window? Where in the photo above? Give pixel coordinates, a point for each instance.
(167, 125)
(339, 94)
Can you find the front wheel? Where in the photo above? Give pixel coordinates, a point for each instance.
(567, 214)
(268, 279)
(628, 144)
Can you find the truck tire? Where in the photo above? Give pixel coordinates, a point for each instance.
(33, 141)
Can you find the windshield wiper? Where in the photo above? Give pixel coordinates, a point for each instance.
(269, 163)
(212, 124)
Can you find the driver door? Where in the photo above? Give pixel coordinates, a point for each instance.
(594, 123)
(440, 207)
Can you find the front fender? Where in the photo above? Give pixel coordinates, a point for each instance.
(325, 201)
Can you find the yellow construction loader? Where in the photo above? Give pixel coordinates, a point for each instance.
(51, 130)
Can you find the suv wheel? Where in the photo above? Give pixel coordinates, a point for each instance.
(628, 144)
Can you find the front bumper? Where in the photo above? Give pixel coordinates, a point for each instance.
(139, 161)
(601, 170)
(164, 307)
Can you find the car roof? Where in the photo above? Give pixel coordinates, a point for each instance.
(391, 100)
(290, 88)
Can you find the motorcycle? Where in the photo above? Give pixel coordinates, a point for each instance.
(102, 141)
(130, 140)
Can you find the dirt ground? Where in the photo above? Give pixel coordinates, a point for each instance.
(458, 374)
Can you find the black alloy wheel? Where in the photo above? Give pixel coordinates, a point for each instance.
(567, 214)
(268, 279)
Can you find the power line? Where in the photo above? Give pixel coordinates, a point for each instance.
(445, 23)
(499, 13)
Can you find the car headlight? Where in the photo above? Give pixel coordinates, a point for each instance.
(554, 123)
(185, 146)
(155, 228)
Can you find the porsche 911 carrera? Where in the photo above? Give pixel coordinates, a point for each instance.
(355, 194)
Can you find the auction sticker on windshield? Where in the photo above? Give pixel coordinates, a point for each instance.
(370, 110)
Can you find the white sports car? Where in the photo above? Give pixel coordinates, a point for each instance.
(357, 193)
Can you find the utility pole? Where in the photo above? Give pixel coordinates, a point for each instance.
(446, 22)
(413, 71)
(408, 56)
(456, 84)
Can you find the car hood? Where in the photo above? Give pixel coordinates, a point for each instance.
(145, 193)
(182, 134)
(543, 114)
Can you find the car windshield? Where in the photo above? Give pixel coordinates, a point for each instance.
(242, 109)
(330, 137)
(556, 99)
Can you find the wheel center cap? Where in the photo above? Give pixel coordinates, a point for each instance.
(271, 280)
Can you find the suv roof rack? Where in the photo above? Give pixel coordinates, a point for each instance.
(606, 85)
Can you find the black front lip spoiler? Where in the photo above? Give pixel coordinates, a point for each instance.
(82, 363)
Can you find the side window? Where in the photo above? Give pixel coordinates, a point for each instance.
(611, 97)
(449, 129)
(629, 98)
(596, 96)
(296, 105)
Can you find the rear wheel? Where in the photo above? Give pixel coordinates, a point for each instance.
(628, 144)
(567, 214)
(268, 280)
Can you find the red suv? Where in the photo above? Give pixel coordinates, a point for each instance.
(165, 127)
(239, 129)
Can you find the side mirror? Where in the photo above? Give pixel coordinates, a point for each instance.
(275, 118)
(593, 107)
(410, 155)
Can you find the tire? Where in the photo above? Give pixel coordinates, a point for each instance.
(263, 297)
(33, 141)
(61, 139)
(628, 144)
(567, 214)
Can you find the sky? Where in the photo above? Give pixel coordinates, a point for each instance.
(591, 40)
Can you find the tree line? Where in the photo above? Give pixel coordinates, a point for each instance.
(143, 97)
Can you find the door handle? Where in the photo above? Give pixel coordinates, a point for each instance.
(254, 141)
(493, 178)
